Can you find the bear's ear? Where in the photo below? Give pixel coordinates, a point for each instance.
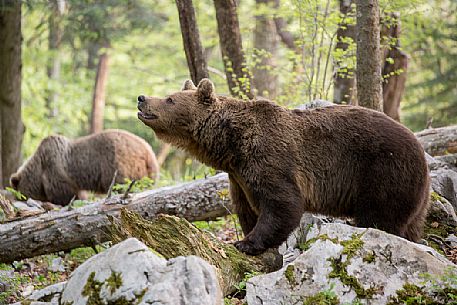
(14, 181)
(188, 85)
(206, 92)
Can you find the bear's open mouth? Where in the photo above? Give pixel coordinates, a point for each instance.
(143, 116)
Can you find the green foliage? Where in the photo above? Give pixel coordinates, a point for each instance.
(143, 184)
(241, 286)
(436, 291)
(18, 195)
(326, 297)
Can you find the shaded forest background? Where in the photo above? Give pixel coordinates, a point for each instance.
(140, 45)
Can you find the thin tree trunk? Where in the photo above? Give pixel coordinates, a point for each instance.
(54, 40)
(238, 77)
(286, 37)
(55, 231)
(98, 102)
(11, 127)
(266, 44)
(163, 154)
(344, 79)
(93, 47)
(369, 89)
(195, 56)
(395, 67)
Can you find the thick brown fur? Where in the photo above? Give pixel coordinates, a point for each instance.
(342, 161)
(61, 168)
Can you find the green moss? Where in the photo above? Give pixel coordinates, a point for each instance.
(92, 290)
(369, 257)
(290, 275)
(411, 294)
(26, 302)
(351, 246)
(435, 196)
(114, 282)
(339, 271)
(322, 298)
(339, 268)
(307, 244)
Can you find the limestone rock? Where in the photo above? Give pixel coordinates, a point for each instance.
(444, 182)
(129, 272)
(354, 263)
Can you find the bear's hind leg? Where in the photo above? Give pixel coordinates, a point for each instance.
(246, 216)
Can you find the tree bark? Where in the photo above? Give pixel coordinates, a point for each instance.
(11, 126)
(172, 236)
(238, 77)
(195, 56)
(286, 37)
(65, 230)
(344, 91)
(54, 40)
(266, 44)
(439, 141)
(98, 101)
(394, 72)
(369, 90)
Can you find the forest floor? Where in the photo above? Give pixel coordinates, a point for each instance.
(19, 279)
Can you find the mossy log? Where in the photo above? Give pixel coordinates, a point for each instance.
(64, 230)
(439, 141)
(171, 236)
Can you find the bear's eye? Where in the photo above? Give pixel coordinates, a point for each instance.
(169, 100)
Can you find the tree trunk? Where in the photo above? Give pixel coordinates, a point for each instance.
(266, 45)
(172, 236)
(395, 67)
(98, 102)
(439, 141)
(54, 40)
(65, 230)
(195, 56)
(238, 77)
(369, 90)
(344, 79)
(11, 127)
(286, 37)
(93, 48)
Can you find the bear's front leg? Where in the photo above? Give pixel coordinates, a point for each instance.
(276, 221)
(246, 216)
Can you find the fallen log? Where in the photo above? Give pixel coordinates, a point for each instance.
(171, 236)
(439, 141)
(87, 226)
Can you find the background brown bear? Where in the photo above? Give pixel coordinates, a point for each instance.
(338, 160)
(60, 167)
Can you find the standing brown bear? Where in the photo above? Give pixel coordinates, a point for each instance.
(61, 168)
(339, 160)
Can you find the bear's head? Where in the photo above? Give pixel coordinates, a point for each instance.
(27, 179)
(37, 174)
(175, 117)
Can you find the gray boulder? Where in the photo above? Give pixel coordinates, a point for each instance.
(349, 263)
(130, 272)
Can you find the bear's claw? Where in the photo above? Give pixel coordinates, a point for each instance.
(248, 247)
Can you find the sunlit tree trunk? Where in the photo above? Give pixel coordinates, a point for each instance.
(54, 40)
(11, 127)
(395, 66)
(265, 40)
(369, 89)
(98, 101)
(238, 77)
(195, 56)
(344, 79)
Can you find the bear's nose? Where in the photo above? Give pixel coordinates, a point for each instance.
(141, 99)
